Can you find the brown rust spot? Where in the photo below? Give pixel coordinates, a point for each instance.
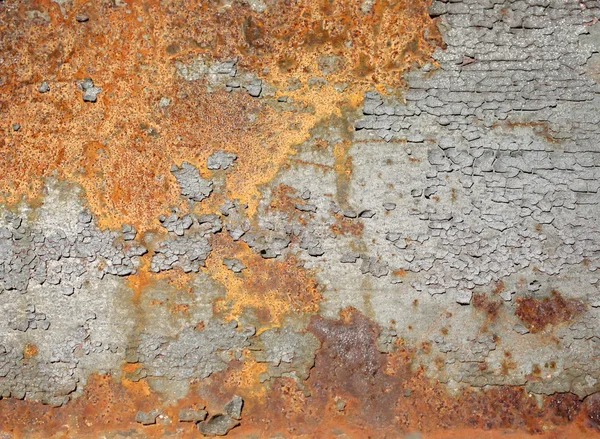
(565, 405)
(498, 287)
(347, 226)
(592, 410)
(506, 366)
(351, 342)
(537, 314)
(482, 302)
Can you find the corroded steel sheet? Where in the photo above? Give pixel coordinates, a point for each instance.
(299, 218)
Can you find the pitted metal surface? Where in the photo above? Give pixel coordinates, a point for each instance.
(309, 218)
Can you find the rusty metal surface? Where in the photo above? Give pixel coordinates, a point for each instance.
(293, 281)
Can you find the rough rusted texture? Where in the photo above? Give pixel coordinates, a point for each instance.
(384, 393)
(270, 288)
(354, 388)
(122, 158)
(538, 313)
(311, 218)
(592, 409)
(489, 305)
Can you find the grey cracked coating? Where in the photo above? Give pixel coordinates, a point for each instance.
(43, 87)
(485, 170)
(188, 253)
(90, 91)
(192, 185)
(192, 353)
(51, 270)
(234, 264)
(220, 160)
(192, 415)
(288, 353)
(218, 425)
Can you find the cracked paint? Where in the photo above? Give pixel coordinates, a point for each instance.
(311, 218)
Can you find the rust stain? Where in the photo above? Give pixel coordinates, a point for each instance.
(401, 273)
(272, 288)
(343, 171)
(383, 396)
(537, 314)
(354, 390)
(592, 410)
(498, 287)
(120, 149)
(246, 378)
(179, 308)
(122, 158)
(30, 350)
(347, 226)
(482, 302)
(541, 129)
(284, 199)
(106, 405)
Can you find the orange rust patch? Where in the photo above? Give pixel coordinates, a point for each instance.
(104, 406)
(271, 287)
(30, 350)
(179, 308)
(401, 272)
(347, 226)
(536, 314)
(247, 377)
(506, 366)
(283, 199)
(343, 170)
(120, 148)
(145, 278)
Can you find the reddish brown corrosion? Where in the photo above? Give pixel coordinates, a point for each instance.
(486, 304)
(354, 389)
(382, 396)
(592, 410)
(537, 314)
(120, 149)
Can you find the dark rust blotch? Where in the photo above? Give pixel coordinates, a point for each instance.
(537, 314)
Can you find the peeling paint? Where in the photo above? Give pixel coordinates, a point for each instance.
(311, 218)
